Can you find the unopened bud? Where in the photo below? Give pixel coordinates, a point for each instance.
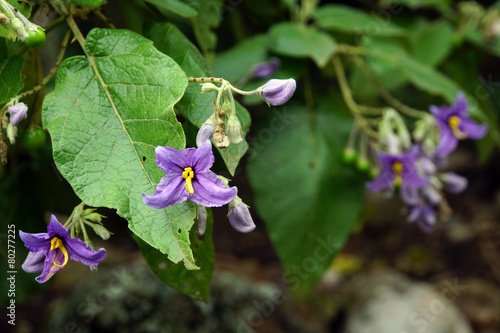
(205, 132)
(233, 130)
(12, 133)
(239, 216)
(454, 183)
(101, 231)
(17, 113)
(201, 220)
(208, 87)
(277, 92)
(265, 69)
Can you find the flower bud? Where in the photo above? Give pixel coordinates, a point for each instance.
(239, 216)
(101, 231)
(454, 183)
(201, 220)
(431, 194)
(12, 133)
(208, 87)
(233, 130)
(17, 112)
(205, 132)
(266, 69)
(277, 92)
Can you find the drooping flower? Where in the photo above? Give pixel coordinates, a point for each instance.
(187, 176)
(51, 251)
(266, 69)
(239, 216)
(17, 113)
(277, 92)
(398, 169)
(454, 124)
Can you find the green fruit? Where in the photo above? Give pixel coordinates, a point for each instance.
(349, 156)
(36, 38)
(362, 164)
(33, 138)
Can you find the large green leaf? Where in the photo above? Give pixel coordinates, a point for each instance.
(87, 3)
(11, 79)
(179, 7)
(350, 20)
(108, 112)
(234, 64)
(307, 198)
(192, 283)
(197, 107)
(302, 41)
(433, 43)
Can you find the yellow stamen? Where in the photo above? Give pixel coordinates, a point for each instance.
(454, 123)
(188, 175)
(398, 167)
(55, 244)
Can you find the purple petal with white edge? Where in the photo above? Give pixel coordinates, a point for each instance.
(17, 113)
(210, 191)
(460, 107)
(36, 242)
(447, 142)
(409, 194)
(278, 92)
(49, 268)
(56, 229)
(454, 183)
(202, 159)
(472, 129)
(240, 218)
(79, 251)
(171, 160)
(34, 262)
(170, 191)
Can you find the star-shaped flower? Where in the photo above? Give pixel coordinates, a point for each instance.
(187, 176)
(51, 251)
(398, 169)
(454, 124)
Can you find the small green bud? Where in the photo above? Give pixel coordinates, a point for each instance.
(101, 231)
(362, 164)
(349, 156)
(233, 129)
(208, 87)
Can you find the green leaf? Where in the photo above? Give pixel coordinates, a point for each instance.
(87, 3)
(433, 43)
(197, 107)
(107, 114)
(234, 64)
(175, 6)
(307, 198)
(302, 41)
(347, 19)
(11, 79)
(208, 18)
(192, 283)
(438, 4)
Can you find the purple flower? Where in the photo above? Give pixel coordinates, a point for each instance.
(454, 124)
(277, 92)
(266, 69)
(239, 217)
(424, 215)
(51, 251)
(398, 169)
(17, 112)
(187, 176)
(454, 183)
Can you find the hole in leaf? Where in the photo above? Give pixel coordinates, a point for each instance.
(144, 158)
(179, 231)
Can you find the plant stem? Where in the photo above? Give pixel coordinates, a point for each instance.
(74, 28)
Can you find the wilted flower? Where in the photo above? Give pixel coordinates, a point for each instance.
(398, 169)
(187, 176)
(277, 92)
(266, 69)
(51, 251)
(17, 112)
(239, 216)
(454, 124)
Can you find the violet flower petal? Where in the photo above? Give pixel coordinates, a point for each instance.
(205, 133)
(210, 191)
(447, 142)
(409, 194)
(79, 251)
(170, 159)
(56, 229)
(472, 129)
(460, 107)
(36, 242)
(34, 262)
(170, 191)
(454, 183)
(240, 218)
(278, 92)
(49, 268)
(17, 113)
(202, 159)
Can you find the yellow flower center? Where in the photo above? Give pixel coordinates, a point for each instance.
(55, 244)
(398, 167)
(188, 175)
(454, 123)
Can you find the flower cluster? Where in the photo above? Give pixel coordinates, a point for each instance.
(416, 173)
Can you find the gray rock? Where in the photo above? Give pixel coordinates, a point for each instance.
(391, 303)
